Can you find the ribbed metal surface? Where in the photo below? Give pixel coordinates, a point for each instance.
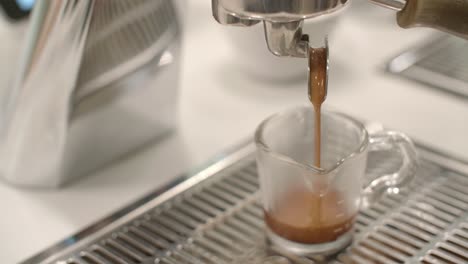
(450, 60)
(441, 62)
(219, 220)
(123, 36)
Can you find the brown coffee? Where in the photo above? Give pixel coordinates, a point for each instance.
(305, 217)
(318, 63)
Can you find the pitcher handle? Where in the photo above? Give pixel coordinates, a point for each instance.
(387, 141)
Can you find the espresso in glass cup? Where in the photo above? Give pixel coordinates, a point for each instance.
(310, 210)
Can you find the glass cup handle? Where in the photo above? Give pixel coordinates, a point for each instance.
(391, 141)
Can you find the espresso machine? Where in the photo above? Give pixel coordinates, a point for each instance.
(90, 72)
(283, 19)
(213, 215)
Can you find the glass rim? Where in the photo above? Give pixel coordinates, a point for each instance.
(261, 144)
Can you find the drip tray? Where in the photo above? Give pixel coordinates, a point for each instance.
(441, 62)
(214, 216)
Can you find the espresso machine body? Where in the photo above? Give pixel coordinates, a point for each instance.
(283, 19)
(96, 80)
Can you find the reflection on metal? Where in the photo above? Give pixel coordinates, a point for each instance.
(396, 5)
(96, 80)
(282, 19)
(441, 62)
(215, 217)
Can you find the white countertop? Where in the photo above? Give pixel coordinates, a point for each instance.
(220, 106)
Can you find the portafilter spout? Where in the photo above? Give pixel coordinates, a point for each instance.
(282, 20)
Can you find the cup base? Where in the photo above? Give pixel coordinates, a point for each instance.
(324, 249)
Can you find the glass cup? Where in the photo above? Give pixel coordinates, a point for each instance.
(310, 210)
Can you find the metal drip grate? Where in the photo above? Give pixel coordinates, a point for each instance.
(440, 62)
(215, 217)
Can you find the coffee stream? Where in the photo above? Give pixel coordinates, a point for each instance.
(318, 63)
(303, 215)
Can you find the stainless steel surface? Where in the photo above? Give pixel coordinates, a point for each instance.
(440, 62)
(96, 80)
(36, 114)
(286, 38)
(396, 5)
(282, 19)
(123, 36)
(278, 11)
(214, 216)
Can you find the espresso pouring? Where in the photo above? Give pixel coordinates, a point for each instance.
(305, 216)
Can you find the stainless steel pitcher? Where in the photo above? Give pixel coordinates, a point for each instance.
(96, 80)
